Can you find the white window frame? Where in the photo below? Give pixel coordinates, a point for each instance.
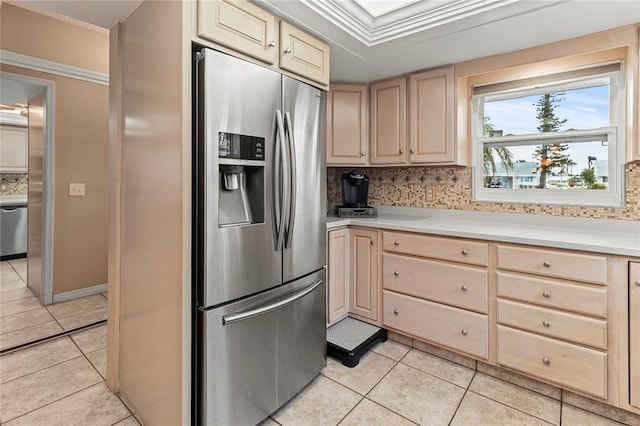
(611, 197)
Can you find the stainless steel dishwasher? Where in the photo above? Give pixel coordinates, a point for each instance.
(13, 239)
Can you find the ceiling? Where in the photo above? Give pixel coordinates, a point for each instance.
(374, 39)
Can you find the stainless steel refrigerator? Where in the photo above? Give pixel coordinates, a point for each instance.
(259, 239)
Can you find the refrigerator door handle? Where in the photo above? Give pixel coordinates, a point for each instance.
(281, 197)
(294, 182)
(231, 318)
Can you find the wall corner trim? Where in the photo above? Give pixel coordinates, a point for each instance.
(51, 67)
(81, 292)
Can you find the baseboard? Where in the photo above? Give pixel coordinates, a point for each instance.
(81, 292)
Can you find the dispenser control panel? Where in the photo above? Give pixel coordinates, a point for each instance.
(241, 147)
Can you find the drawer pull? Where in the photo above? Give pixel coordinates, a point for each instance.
(546, 264)
(546, 361)
(397, 243)
(464, 332)
(396, 273)
(287, 50)
(464, 252)
(463, 288)
(546, 323)
(272, 44)
(546, 294)
(396, 311)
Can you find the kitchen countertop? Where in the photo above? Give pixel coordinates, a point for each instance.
(13, 200)
(617, 237)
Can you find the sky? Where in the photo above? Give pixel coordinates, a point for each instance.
(583, 108)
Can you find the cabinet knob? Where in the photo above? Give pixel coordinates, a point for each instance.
(463, 288)
(397, 243)
(411, 151)
(464, 332)
(287, 50)
(546, 294)
(371, 241)
(362, 154)
(638, 283)
(546, 323)
(464, 252)
(396, 311)
(396, 273)
(546, 361)
(546, 264)
(400, 152)
(272, 44)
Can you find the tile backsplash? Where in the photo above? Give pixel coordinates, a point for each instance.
(451, 189)
(13, 183)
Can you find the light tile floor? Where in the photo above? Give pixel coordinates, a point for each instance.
(61, 382)
(23, 319)
(395, 384)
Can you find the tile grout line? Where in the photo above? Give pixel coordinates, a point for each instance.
(509, 406)
(466, 390)
(42, 369)
(56, 400)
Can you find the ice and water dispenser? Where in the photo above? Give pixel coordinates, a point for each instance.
(241, 162)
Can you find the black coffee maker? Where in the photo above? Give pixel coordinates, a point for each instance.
(355, 194)
(355, 189)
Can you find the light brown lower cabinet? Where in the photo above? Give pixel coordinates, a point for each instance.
(337, 275)
(634, 333)
(363, 298)
(454, 328)
(560, 362)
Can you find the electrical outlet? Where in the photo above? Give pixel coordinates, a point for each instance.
(430, 192)
(76, 189)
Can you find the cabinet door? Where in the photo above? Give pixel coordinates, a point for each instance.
(363, 300)
(389, 122)
(634, 332)
(239, 25)
(13, 149)
(338, 275)
(303, 54)
(431, 117)
(348, 124)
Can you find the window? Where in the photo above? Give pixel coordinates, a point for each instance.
(555, 139)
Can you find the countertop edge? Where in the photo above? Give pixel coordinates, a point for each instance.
(613, 243)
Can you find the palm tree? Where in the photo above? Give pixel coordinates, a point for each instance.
(502, 152)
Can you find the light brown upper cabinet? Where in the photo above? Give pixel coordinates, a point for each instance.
(348, 124)
(246, 28)
(303, 54)
(13, 149)
(431, 117)
(389, 121)
(239, 25)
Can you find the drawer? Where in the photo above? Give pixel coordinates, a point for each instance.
(455, 285)
(456, 250)
(563, 363)
(554, 263)
(575, 328)
(452, 327)
(591, 301)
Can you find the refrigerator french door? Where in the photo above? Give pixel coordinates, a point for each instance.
(259, 239)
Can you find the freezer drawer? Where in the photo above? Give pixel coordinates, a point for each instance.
(257, 353)
(13, 239)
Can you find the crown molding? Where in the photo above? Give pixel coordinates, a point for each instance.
(412, 18)
(51, 67)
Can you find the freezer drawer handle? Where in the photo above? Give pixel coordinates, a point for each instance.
(231, 318)
(9, 210)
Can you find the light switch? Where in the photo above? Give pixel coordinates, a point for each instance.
(76, 189)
